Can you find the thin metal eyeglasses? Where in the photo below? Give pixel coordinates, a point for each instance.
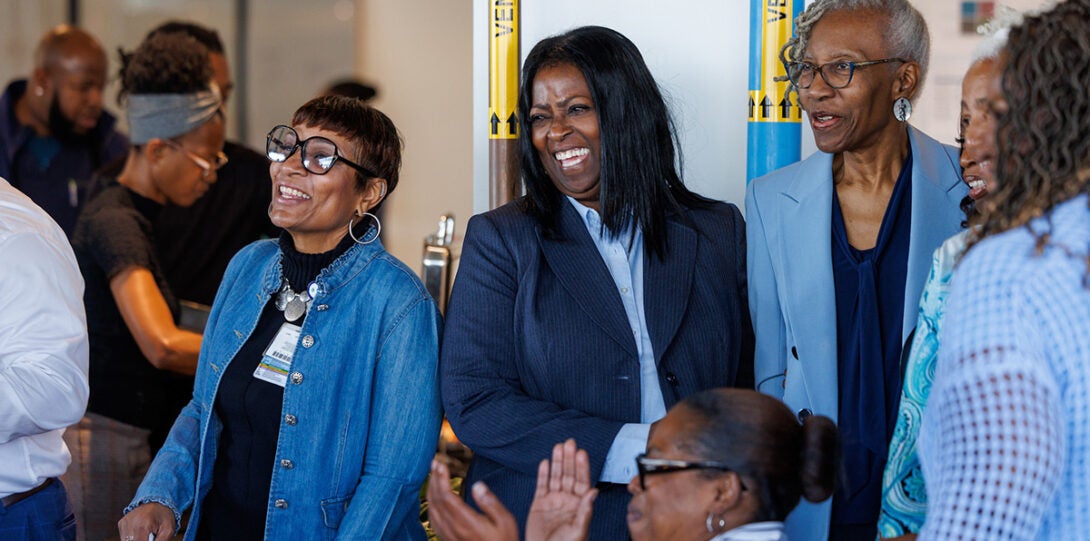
(318, 154)
(207, 168)
(836, 74)
(650, 466)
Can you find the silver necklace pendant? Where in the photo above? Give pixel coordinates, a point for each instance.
(293, 304)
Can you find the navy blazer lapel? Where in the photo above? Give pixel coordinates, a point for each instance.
(667, 284)
(578, 266)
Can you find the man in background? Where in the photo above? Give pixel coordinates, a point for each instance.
(43, 369)
(53, 131)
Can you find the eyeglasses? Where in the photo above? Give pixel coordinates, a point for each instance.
(836, 74)
(206, 168)
(319, 154)
(650, 466)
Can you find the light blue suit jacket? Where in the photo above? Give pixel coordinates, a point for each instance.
(792, 298)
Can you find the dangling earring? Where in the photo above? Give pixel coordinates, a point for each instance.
(708, 524)
(902, 109)
(378, 228)
(39, 91)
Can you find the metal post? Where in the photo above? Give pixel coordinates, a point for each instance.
(775, 120)
(503, 128)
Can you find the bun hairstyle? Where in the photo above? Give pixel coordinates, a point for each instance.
(758, 437)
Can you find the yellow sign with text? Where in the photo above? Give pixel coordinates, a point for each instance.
(771, 101)
(503, 58)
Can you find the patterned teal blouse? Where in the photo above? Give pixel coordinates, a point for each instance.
(904, 499)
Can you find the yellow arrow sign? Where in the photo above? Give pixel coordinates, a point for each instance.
(503, 57)
(771, 102)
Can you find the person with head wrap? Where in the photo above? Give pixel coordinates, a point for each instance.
(177, 130)
(53, 130)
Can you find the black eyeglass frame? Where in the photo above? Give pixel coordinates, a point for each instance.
(646, 465)
(820, 70)
(300, 146)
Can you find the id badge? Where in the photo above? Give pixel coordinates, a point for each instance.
(276, 362)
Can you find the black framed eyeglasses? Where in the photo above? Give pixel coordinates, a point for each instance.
(837, 74)
(650, 466)
(318, 154)
(207, 167)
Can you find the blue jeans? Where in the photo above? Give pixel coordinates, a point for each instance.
(45, 516)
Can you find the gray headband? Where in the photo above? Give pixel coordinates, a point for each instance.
(162, 116)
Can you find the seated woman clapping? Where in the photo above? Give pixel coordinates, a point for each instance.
(722, 464)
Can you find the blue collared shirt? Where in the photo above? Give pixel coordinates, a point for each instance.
(623, 256)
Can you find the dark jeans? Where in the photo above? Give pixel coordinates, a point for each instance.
(45, 516)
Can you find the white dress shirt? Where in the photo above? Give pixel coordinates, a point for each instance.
(43, 344)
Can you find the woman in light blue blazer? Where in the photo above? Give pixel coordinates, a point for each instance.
(839, 244)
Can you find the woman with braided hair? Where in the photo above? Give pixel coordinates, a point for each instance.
(839, 245)
(1006, 433)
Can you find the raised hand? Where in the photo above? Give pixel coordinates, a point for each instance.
(564, 500)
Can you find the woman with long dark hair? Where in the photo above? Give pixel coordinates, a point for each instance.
(605, 295)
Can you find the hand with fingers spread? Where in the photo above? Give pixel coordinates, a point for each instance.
(454, 520)
(564, 500)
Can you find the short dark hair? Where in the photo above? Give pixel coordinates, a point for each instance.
(639, 147)
(206, 36)
(762, 441)
(378, 144)
(353, 88)
(165, 64)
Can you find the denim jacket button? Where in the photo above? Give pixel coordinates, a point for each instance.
(290, 419)
(286, 464)
(281, 503)
(308, 341)
(297, 377)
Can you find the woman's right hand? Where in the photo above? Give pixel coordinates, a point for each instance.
(148, 518)
(564, 500)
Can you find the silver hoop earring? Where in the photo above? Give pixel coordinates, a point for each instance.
(378, 229)
(902, 109)
(708, 523)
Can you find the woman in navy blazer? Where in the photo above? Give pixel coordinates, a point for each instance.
(587, 308)
(839, 244)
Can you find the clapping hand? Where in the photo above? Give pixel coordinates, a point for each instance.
(454, 520)
(564, 500)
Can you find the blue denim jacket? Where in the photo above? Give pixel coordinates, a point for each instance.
(361, 412)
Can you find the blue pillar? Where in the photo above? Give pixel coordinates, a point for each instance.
(775, 119)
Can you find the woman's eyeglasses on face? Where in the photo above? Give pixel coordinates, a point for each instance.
(836, 74)
(317, 153)
(650, 466)
(207, 168)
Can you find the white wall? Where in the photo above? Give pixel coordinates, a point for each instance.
(420, 56)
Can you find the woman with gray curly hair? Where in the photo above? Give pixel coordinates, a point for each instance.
(839, 244)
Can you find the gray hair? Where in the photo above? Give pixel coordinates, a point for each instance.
(995, 34)
(906, 32)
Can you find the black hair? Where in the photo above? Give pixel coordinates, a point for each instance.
(351, 88)
(378, 144)
(165, 64)
(640, 159)
(206, 36)
(763, 442)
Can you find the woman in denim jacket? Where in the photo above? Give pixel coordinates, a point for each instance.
(316, 410)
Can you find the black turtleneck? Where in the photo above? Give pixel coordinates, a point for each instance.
(250, 408)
